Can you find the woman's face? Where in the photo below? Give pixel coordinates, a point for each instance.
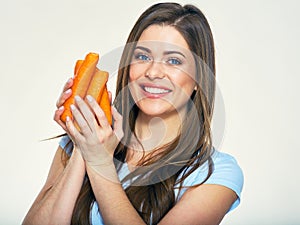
(162, 71)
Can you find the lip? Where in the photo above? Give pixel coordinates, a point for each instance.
(154, 91)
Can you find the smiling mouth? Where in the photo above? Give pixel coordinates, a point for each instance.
(155, 90)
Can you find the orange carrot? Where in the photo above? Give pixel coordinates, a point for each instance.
(98, 90)
(81, 82)
(105, 105)
(97, 84)
(77, 66)
(89, 80)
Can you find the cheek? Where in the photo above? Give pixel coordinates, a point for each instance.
(134, 74)
(136, 71)
(131, 73)
(184, 78)
(185, 82)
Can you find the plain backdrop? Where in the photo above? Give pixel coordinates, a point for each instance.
(257, 54)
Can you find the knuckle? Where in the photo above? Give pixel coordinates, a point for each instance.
(77, 135)
(84, 127)
(57, 104)
(101, 116)
(101, 140)
(56, 116)
(110, 133)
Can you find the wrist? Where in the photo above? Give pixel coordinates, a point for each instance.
(76, 156)
(105, 171)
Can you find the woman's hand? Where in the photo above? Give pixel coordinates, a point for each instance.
(66, 93)
(93, 135)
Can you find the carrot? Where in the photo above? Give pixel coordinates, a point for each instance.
(81, 82)
(98, 90)
(105, 105)
(89, 80)
(77, 66)
(97, 84)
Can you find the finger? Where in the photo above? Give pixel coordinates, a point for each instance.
(66, 93)
(57, 116)
(86, 113)
(63, 97)
(68, 85)
(100, 115)
(72, 130)
(80, 120)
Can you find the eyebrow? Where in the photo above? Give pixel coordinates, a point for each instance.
(165, 52)
(173, 52)
(143, 49)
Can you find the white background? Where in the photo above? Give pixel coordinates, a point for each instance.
(257, 68)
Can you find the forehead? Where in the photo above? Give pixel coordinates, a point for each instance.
(162, 37)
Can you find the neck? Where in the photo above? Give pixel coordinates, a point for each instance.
(153, 133)
(156, 131)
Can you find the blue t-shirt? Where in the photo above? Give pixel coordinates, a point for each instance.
(226, 172)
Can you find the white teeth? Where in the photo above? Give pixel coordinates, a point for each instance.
(154, 90)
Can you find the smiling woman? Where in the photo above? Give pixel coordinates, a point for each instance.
(157, 163)
(162, 72)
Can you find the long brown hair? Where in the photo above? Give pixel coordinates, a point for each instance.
(153, 183)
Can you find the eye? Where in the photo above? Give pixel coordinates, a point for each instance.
(141, 57)
(174, 61)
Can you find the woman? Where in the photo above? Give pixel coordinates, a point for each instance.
(156, 165)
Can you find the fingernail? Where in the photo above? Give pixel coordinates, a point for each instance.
(61, 108)
(72, 107)
(68, 91)
(89, 98)
(77, 98)
(68, 119)
(69, 81)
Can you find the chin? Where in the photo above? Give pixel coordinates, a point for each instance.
(155, 109)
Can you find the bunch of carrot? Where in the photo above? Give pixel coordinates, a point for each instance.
(89, 80)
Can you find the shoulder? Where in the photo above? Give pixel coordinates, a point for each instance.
(226, 164)
(226, 172)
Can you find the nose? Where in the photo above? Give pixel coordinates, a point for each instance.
(155, 70)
